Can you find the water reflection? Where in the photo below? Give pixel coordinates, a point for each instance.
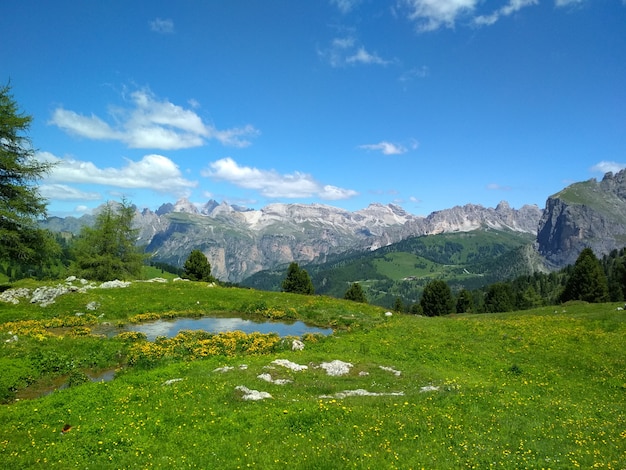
(170, 328)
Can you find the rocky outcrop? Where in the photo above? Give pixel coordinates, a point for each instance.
(587, 214)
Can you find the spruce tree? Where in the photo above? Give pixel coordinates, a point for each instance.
(107, 250)
(437, 299)
(587, 281)
(297, 281)
(355, 293)
(197, 267)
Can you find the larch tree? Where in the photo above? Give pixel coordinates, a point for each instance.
(21, 204)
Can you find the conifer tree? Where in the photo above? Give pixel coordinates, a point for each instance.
(21, 205)
(355, 293)
(587, 281)
(107, 250)
(437, 299)
(197, 267)
(297, 281)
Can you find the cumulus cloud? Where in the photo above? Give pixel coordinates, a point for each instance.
(151, 123)
(345, 6)
(272, 184)
(154, 172)
(432, 14)
(63, 192)
(346, 51)
(512, 7)
(605, 167)
(162, 26)
(389, 148)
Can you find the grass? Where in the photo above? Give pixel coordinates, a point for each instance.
(534, 389)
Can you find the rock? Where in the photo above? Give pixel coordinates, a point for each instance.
(397, 373)
(363, 393)
(297, 345)
(252, 394)
(268, 378)
(429, 388)
(171, 381)
(93, 306)
(388, 314)
(12, 296)
(223, 369)
(336, 367)
(289, 365)
(114, 284)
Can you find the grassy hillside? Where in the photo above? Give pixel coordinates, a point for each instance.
(463, 259)
(539, 389)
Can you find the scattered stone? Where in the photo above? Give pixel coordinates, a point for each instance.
(180, 279)
(171, 381)
(12, 339)
(362, 393)
(364, 373)
(297, 345)
(46, 295)
(268, 378)
(397, 373)
(243, 366)
(252, 394)
(114, 284)
(223, 369)
(289, 365)
(429, 388)
(388, 314)
(93, 305)
(12, 296)
(70, 279)
(336, 367)
(79, 314)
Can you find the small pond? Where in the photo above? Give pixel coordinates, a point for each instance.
(170, 328)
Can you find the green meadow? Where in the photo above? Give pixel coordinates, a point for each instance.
(543, 388)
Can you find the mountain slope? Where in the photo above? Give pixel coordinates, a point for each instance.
(587, 214)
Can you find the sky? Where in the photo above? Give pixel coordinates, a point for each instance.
(426, 104)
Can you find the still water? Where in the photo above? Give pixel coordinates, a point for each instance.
(170, 328)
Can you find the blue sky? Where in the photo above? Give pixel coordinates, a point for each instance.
(426, 104)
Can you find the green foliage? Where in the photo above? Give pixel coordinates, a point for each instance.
(464, 302)
(398, 306)
(107, 250)
(355, 293)
(197, 267)
(20, 202)
(437, 299)
(499, 298)
(297, 281)
(587, 281)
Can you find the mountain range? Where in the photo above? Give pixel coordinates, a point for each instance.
(240, 242)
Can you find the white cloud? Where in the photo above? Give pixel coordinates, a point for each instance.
(151, 123)
(272, 184)
(346, 51)
(415, 73)
(497, 187)
(512, 7)
(389, 148)
(345, 6)
(605, 167)
(161, 26)
(154, 172)
(64, 192)
(432, 14)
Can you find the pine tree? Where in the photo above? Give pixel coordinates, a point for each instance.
(355, 293)
(464, 302)
(297, 281)
(499, 298)
(197, 267)
(587, 281)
